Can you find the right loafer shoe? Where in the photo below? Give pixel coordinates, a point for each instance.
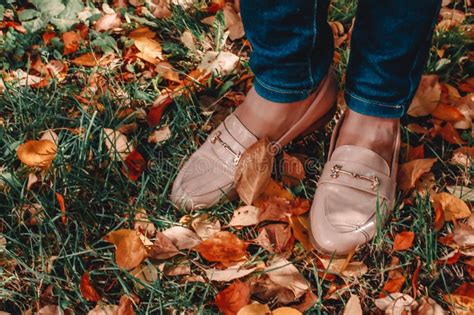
(355, 192)
(208, 176)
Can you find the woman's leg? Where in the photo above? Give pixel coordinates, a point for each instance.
(356, 191)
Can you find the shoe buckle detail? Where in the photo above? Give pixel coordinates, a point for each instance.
(217, 138)
(337, 169)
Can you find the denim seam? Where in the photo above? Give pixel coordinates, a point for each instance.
(266, 86)
(357, 97)
(315, 32)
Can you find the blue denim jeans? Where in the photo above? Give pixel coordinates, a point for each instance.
(293, 49)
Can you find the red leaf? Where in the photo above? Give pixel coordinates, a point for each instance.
(451, 135)
(62, 207)
(87, 290)
(403, 240)
(467, 86)
(156, 111)
(135, 165)
(215, 6)
(415, 153)
(447, 113)
(233, 298)
(71, 42)
(47, 36)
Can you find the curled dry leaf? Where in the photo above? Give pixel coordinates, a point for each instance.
(156, 111)
(462, 299)
(71, 42)
(464, 238)
(102, 309)
(178, 270)
(453, 207)
(396, 304)
(37, 153)
(223, 247)
(117, 144)
(87, 290)
(276, 238)
(293, 170)
(428, 306)
(50, 310)
(149, 49)
(285, 274)
(108, 22)
(465, 106)
(462, 192)
(162, 247)
(463, 156)
(166, 70)
(343, 267)
(299, 225)
(411, 171)
(130, 251)
(233, 298)
(204, 227)
(245, 216)
(229, 274)
(253, 171)
(160, 135)
(143, 224)
(353, 306)
(126, 305)
(427, 96)
(148, 273)
(134, 165)
(222, 63)
(182, 237)
(403, 240)
(447, 113)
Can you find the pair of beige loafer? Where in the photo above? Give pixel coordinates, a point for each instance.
(355, 185)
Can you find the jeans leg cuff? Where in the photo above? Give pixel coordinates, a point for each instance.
(373, 108)
(279, 95)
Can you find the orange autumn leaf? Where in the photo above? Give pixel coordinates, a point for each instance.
(467, 85)
(426, 97)
(439, 216)
(155, 113)
(299, 226)
(135, 164)
(293, 170)
(126, 305)
(453, 207)
(393, 285)
(88, 60)
(451, 135)
(462, 299)
(71, 41)
(47, 36)
(215, 6)
(223, 247)
(62, 207)
(87, 290)
(403, 240)
(447, 113)
(37, 153)
(411, 171)
(233, 298)
(130, 251)
(416, 153)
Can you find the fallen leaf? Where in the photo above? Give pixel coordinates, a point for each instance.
(149, 49)
(293, 170)
(403, 240)
(285, 274)
(447, 113)
(222, 63)
(253, 171)
(204, 227)
(410, 172)
(467, 85)
(427, 96)
(37, 153)
(300, 231)
(88, 60)
(166, 70)
(229, 274)
(160, 135)
(451, 135)
(107, 22)
(62, 207)
(50, 310)
(125, 306)
(143, 224)
(223, 247)
(255, 309)
(155, 112)
(233, 298)
(453, 207)
(462, 192)
(396, 304)
(245, 216)
(135, 164)
(463, 156)
(343, 267)
(416, 153)
(102, 309)
(393, 285)
(353, 306)
(286, 311)
(178, 270)
(130, 251)
(465, 106)
(87, 290)
(275, 238)
(71, 42)
(464, 237)
(162, 248)
(182, 237)
(117, 144)
(462, 299)
(147, 273)
(428, 306)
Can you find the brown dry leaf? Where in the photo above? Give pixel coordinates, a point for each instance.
(463, 156)
(403, 240)
(117, 144)
(143, 224)
(245, 216)
(396, 304)
(102, 309)
(71, 42)
(428, 306)
(427, 96)
(265, 289)
(204, 227)
(222, 63)
(160, 135)
(453, 207)
(411, 171)
(166, 70)
(464, 238)
(462, 192)
(149, 49)
(353, 306)
(162, 248)
(182, 237)
(462, 299)
(394, 284)
(293, 170)
(130, 251)
(107, 22)
(178, 270)
(233, 298)
(147, 273)
(255, 309)
(91, 60)
(253, 171)
(223, 247)
(276, 238)
(87, 290)
(161, 9)
(126, 305)
(285, 274)
(50, 310)
(450, 134)
(450, 18)
(447, 113)
(286, 311)
(275, 209)
(343, 267)
(300, 231)
(37, 153)
(465, 106)
(229, 274)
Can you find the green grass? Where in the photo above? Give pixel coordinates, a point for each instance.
(100, 199)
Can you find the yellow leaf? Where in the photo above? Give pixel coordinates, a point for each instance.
(255, 309)
(453, 207)
(37, 153)
(130, 251)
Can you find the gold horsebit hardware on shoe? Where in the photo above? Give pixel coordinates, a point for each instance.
(337, 169)
(217, 137)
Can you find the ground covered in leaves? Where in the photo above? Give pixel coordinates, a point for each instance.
(100, 103)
